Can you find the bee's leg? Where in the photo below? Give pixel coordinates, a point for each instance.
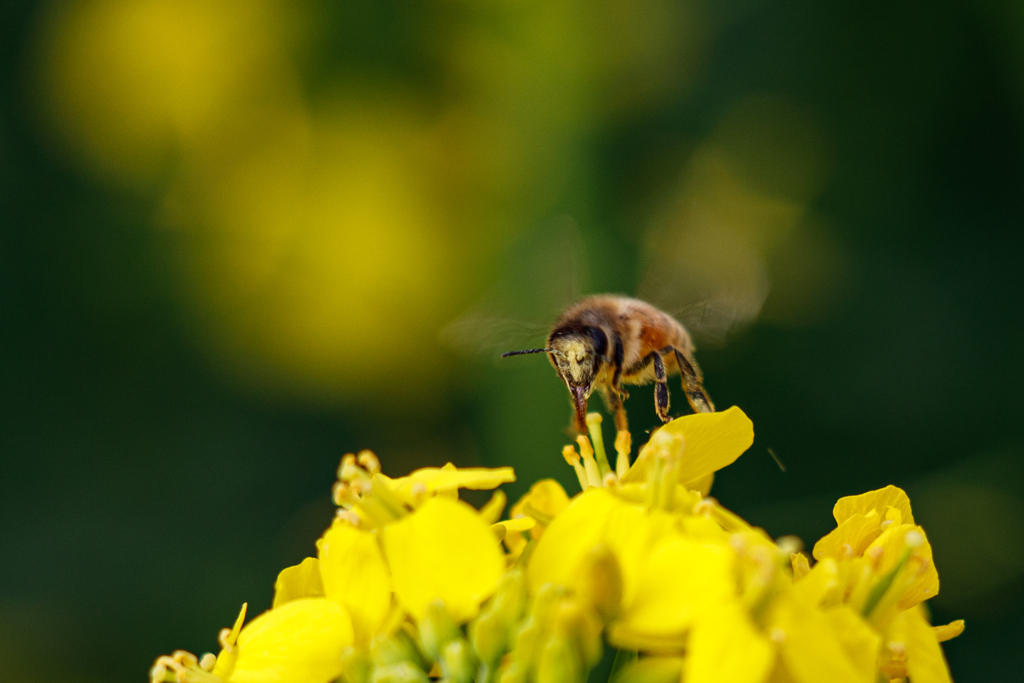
(617, 394)
(613, 401)
(693, 384)
(660, 386)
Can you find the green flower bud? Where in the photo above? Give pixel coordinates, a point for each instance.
(457, 661)
(394, 649)
(490, 636)
(437, 629)
(560, 662)
(355, 666)
(403, 672)
(651, 670)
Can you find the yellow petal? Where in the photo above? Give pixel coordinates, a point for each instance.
(874, 500)
(681, 580)
(711, 441)
(859, 641)
(892, 545)
(593, 518)
(450, 478)
(925, 661)
(299, 642)
(446, 551)
(301, 581)
(355, 575)
(570, 537)
(820, 583)
(949, 631)
(809, 644)
(702, 485)
(850, 538)
(725, 646)
(545, 499)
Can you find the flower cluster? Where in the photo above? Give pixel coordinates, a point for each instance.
(410, 583)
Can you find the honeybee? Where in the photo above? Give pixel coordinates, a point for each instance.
(605, 341)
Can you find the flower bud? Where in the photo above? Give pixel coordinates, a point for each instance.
(355, 666)
(457, 661)
(436, 629)
(394, 649)
(652, 670)
(489, 635)
(403, 672)
(560, 662)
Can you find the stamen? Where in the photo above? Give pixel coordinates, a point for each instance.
(589, 464)
(623, 444)
(369, 461)
(492, 510)
(348, 467)
(594, 421)
(350, 516)
(208, 661)
(789, 545)
(157, 673)
(573, 458)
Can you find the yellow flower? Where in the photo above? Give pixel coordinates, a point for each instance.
(410, 583)
(355, 575)
(545, 500)
(709, 441)
(299, 642)
(301, 581)
(914, 650)
(443, 551)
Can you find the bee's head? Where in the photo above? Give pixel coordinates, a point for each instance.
(578, 353)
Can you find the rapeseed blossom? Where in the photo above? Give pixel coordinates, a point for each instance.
(409, 583)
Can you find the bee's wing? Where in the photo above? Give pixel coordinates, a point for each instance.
(534, 278)
(714, 286)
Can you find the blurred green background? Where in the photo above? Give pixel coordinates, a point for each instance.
(239, 238)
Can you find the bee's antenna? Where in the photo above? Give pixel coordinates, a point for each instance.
(520, 353)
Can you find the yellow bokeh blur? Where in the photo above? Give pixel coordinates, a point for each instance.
(319, 247)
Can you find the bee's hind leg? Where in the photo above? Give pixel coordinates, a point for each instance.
(693, 384)
(661, 398)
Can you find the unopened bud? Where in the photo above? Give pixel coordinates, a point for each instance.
(457, 661)
(355, 665)
(652, 670)
(399, 673)
(514, 673)
(600, 582)
(560, 662)
(436, 629)
(581, 625)
(510, 598)
(394, 649)
(489, 635)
